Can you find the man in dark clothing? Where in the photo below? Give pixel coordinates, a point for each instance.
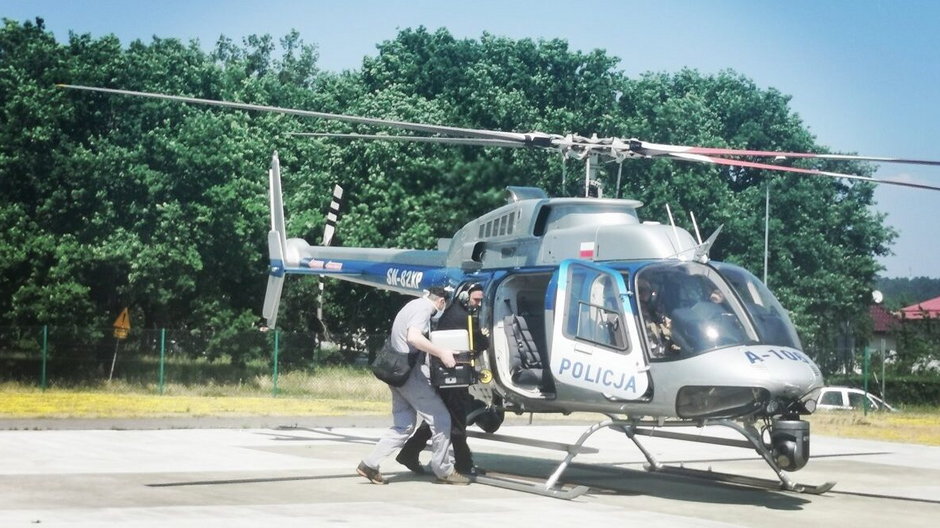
(456, 399)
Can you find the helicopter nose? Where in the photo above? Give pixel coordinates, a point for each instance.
(695, 402)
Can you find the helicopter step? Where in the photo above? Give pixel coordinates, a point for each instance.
(532, 487)
(546, 489)
(658, 433)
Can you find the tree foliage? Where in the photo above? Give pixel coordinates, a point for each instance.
(906, 291)
(113, 201)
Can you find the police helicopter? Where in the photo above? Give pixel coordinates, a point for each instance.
(589, 309)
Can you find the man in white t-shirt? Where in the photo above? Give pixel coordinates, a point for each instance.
(417, 398)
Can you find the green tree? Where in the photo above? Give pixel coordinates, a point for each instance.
(127, 202)
(115, 201)
(918, 348)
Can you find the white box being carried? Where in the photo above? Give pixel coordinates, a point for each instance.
(462, 374)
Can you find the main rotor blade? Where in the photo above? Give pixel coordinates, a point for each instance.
(571, 145)
(531, 139)
(778, 168)
(653, 149)
(476, 142)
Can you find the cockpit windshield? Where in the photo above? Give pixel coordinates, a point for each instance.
(773, 323)
(687, 308)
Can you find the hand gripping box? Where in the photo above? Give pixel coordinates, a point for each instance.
(462, 374)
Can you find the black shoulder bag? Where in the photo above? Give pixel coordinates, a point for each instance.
(392, 366)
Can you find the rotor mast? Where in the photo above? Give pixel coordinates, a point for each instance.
(592, 183)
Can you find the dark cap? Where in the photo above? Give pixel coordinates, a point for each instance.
(437, 291)
(474, 288)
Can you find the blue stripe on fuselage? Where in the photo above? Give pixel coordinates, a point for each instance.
(385, 275)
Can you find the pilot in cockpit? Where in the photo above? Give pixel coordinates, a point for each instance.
(657, 323)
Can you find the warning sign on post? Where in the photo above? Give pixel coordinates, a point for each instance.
(122, 325)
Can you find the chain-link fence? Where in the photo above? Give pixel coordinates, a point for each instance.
(173, 360)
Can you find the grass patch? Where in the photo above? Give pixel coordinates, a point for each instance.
(336, 382)
(330, 391)
(70, 404)
(915, 426)
(342, 391)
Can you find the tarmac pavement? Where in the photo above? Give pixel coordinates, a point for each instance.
(301, 472)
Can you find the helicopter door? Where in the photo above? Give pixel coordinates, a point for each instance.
(593, 344)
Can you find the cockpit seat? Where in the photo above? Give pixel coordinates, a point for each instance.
(525, 363)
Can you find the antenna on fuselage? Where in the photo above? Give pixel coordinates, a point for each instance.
(672, 222)
(680, 251)
(698, 236)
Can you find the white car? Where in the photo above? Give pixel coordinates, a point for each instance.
(848, 399)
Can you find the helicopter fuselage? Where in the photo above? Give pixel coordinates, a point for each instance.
(571, 272)
(586, 308)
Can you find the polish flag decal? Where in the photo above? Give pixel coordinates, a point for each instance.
(587, 250)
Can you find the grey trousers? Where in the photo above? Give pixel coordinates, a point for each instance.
(416, 398)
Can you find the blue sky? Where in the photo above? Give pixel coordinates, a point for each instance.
(863, 74)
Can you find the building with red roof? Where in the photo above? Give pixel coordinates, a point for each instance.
(882, 321)
(929, 309)
(884, 326)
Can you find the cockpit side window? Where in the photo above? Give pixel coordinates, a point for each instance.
(686, 309)
(593, 312)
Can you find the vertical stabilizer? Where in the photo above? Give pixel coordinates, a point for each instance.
(277, 201)
(277, 241)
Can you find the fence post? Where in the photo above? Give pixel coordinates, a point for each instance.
(865, 366)
(45, 355)
(277, 334)
(884, 394)
(162, 356)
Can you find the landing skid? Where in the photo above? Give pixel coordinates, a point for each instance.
(753, 482)
(753, 440)
(632, 429)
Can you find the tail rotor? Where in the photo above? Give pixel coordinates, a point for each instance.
(332, 217)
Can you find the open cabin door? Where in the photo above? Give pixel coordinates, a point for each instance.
(595, 345)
